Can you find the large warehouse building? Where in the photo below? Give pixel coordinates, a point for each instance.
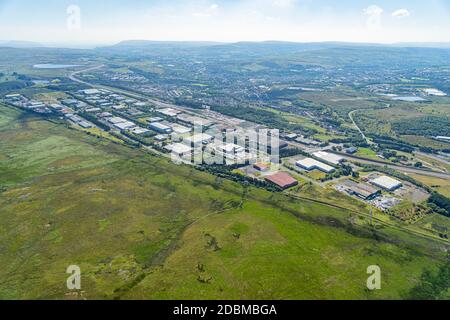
(386, 183)
(198, 139)
(312, 164)
(282, 179)
(159, 127)
(179, 149)
(362, 190)
(329, 157)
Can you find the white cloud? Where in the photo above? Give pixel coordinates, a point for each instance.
(373, 14)
(282, 3)
(208, 12)
(373, 10)
(401, 13)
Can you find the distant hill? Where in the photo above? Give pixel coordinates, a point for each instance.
(179, 44)
(20, 44)
(215, 48)
(437, 45)
(144, 47)
(317, 53)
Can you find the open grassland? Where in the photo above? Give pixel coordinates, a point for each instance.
(141, 227)
(436, 223)
(440, 185)
(50, 97)
(414, 123)
(367, 153)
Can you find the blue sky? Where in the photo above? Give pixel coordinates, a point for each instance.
(109, 21)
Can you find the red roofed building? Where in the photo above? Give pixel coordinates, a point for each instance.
(261, 167)
(282, 179)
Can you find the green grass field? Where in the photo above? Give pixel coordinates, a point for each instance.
(142, 227)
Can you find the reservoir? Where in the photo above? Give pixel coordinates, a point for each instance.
(54, 66)
(409, 99)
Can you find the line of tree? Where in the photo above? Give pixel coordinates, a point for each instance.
(290, 152)
(343, 171)
(440, 204)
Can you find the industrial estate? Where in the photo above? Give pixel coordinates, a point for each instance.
(156, 170)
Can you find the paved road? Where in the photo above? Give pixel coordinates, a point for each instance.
(73, 77)
(350, 115)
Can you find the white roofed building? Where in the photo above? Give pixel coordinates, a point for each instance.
(159, 127)
(139, 130)
(179, 149)
(387, 183)
(90, 92)
(312, 164)
(329, 157)
(125, 125)
(198, 139)
(116, 120)
(169, 112)
(179, 129)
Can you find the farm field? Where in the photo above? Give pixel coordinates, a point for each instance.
(142, 227)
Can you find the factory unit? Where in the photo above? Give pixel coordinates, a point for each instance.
(282, 180)
(154, 119)
(263, 167)
(169, 112)
(90, 92)
(351, 150)
(362, 190)
(139, 130)
(443, 138)
(115, 120)
(125, 125)
(329, 157)
(230, 151)
(291, 136)
(121, 123)
(179, 129)
(386, 183)
(160, 128)
(161, 137)
(307, 141)
(93, 110)
(179, 149)
(198, 139)
(312, 164)
(79, 121)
